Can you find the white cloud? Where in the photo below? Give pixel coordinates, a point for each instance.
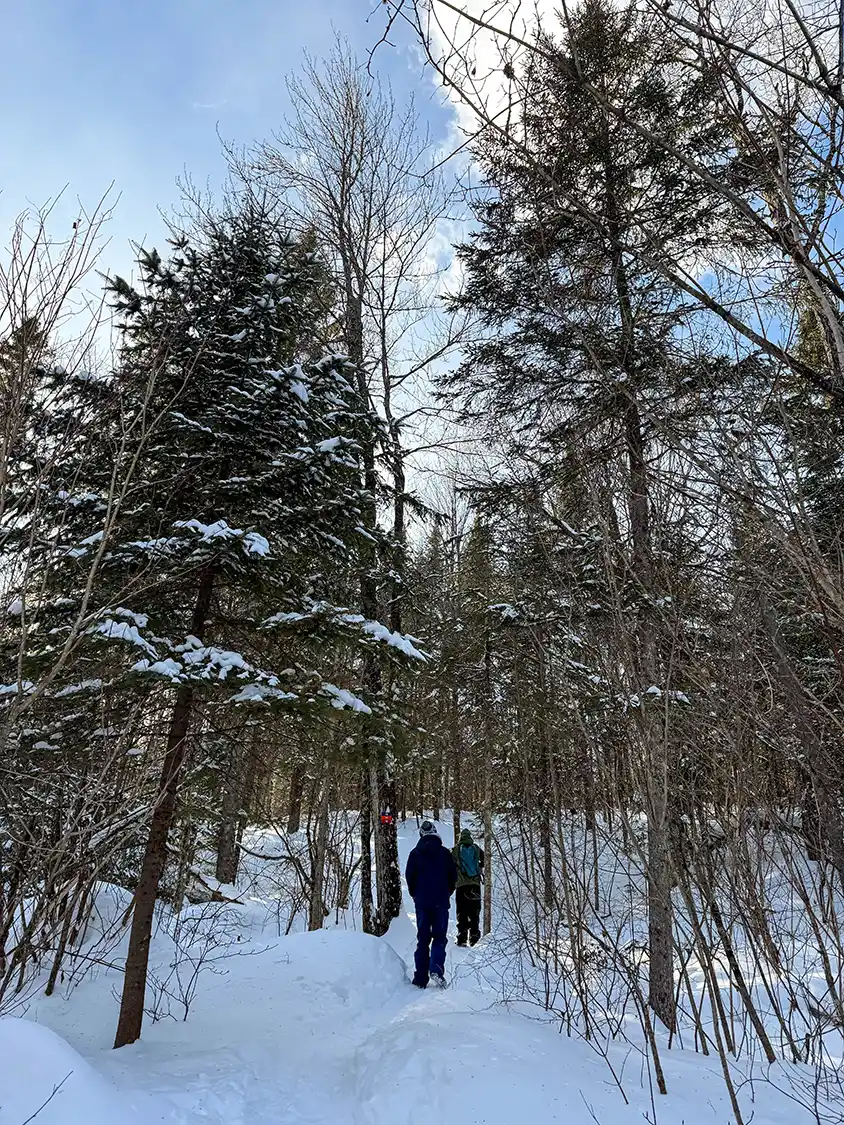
(474, 59)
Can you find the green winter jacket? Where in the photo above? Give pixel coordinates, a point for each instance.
(466, 841)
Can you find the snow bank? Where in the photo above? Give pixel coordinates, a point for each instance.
(44, 1079)
(296, 984)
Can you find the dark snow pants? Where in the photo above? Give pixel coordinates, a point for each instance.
(468, 913)
(432, 937)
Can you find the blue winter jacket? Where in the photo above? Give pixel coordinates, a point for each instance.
(431, 873)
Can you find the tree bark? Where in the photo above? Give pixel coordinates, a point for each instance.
(546, 778)
(389, 885)
(547, 857)
(187, 850)
(456, 764)
(488, 851)
(810, 824)
(660, 924)
(488, 751)
(227, 849)
(238, 798)
(371, 675)
(131, 1015)
(661, 996)
(366, 903)
(380, 851)
(387, 856)
(294, 800)
(316, 913)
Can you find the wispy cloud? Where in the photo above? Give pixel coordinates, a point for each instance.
(136, 96)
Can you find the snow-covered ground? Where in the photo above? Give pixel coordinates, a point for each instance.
(325, 1028)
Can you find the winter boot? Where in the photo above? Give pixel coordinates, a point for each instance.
(438, 980)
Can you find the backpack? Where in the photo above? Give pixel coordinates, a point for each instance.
(469, 864)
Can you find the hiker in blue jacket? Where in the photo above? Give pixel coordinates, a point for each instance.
(431, 875)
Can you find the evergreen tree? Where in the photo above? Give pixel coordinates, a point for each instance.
(211, 514)
(581, 349)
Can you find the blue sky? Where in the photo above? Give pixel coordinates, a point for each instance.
(102, 90)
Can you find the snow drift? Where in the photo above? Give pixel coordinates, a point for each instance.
(42, 1078)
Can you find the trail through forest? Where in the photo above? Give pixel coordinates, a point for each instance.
(324, 1027)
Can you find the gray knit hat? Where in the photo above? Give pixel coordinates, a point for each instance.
(427, 828)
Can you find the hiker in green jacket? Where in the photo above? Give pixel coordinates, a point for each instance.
(469, 859)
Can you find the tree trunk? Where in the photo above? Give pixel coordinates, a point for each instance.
(456, 811)
(316, 913)
(386, 825)
(399, 486)
(488, 851)
(547, 856)
(238, 798)
(378, 841)
(588, 777)
(187, 850)
(61, 949)
(366, 904)
(810, 824)
(354, 284)
(661, 996)
(546, 780)
(660, 925)
(440, 782)
(227, 849)
(389, 890)
(131, 1015)
(656, 781)
(488, 752)
(456, 765)
(294, 800)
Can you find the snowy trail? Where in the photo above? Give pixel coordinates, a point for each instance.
(288, 1034)
(325, 1029)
